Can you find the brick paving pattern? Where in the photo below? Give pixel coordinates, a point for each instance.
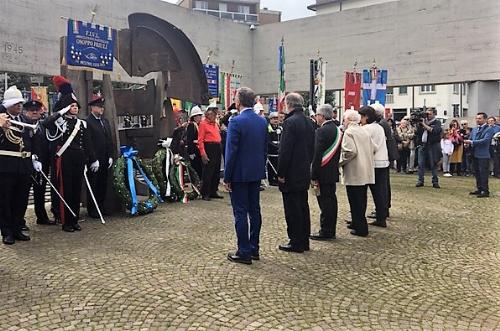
(436, 267)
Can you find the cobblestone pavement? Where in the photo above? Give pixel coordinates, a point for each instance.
(436, 267)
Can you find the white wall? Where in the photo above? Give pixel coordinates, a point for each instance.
(348, 4)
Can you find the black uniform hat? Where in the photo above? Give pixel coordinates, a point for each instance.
(33, 104)
(64, 87)
(97, 100)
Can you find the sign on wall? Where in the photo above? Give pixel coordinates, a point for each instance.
(212, 73)
(90, 45)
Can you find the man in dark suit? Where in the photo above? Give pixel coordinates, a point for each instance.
(100, 136)
(294, 173)
(245, 162)
(480, 142)
(325, 171)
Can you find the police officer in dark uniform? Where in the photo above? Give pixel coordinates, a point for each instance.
(100, 137)
(74, 150)
(273, 145)
(32, 114)
(16, 166)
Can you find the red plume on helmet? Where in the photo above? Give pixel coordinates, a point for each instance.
(63, 85)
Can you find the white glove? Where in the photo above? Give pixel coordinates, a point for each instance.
(110, 162)
(37, 165)
(64, 110)
(94, 167)
(192, 156)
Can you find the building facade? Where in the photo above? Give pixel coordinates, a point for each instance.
(334, 6)
(242, 11)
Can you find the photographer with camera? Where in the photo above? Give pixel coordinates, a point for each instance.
(428, 144)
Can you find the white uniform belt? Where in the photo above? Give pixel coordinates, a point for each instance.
(22, 155)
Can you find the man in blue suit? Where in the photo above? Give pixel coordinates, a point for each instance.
(480, 142)
(245, 162)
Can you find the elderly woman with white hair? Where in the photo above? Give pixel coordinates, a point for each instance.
(357, 162)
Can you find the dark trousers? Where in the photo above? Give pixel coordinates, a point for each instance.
(99, 183)
(428, 153)
(73, 163)
(245, 198)
(197, 165)
(298, 219)
(211, 170)
(481, 169)
(402, 162)
(380, 194)
(327, 201)
(39, 189)
(357, 196)
(13, 202)
(54, 199)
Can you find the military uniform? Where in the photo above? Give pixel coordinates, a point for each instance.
(70, 159)
(15, 171)
(100, 136)
(273, 145)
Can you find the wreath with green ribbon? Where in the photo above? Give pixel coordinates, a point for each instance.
(173, 187)
(124, 183)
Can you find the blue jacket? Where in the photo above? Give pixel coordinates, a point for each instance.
(481, 141)
(246, 148)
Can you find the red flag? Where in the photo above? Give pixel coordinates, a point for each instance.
(352, 90)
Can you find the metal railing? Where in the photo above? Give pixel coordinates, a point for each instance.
(240, 17)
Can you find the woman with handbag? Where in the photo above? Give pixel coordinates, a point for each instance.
(404, 137)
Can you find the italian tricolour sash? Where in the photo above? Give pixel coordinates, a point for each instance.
(332, 150)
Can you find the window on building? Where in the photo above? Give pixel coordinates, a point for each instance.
(201, 4)
(403, 90)
(223, 6)
(244, 9)
(456, 111)
(456, 88)
(390, 95)
(427, 88)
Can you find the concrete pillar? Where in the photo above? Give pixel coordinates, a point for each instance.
(484, 96)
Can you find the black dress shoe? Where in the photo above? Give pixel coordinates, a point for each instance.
(206, 198)
(256, 257)
(320, 236)
(290, 248)
(216, 196)
(436, 185)
(22, 237)
(238, 259)
(45, 222)
(9, 240)
(77, 227)
(419, 184)
(68, 228)
(355, 233)
(474, 193)
(483, 194)
(382, 225)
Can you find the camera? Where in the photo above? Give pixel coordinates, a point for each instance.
(417, 116)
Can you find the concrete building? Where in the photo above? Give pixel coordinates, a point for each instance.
(243, 11)
(334, 6)
(427, 42)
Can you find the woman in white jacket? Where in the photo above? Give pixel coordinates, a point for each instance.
(357, 163)
(381, 163)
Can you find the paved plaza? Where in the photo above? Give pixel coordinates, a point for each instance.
(436, 267)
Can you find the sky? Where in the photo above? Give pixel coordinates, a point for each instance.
(291, 9)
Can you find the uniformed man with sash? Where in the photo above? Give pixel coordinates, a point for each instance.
(73, 151)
